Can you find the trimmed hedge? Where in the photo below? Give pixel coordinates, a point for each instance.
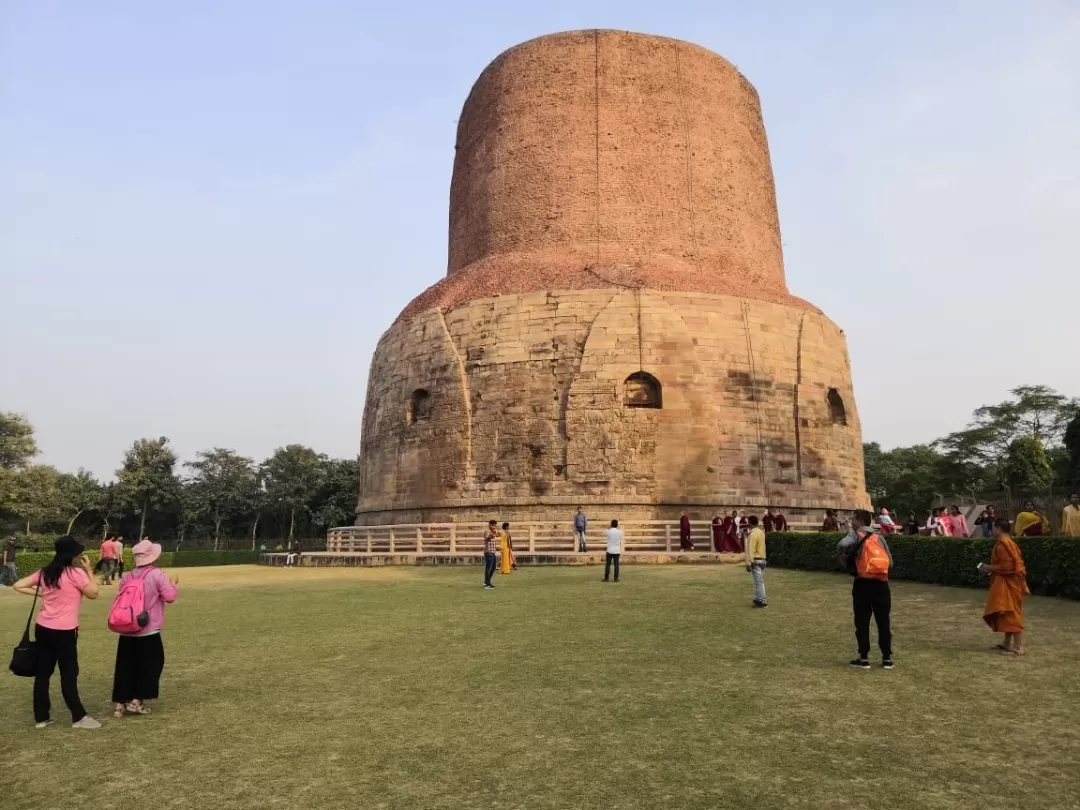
(1053, 563)
(30, 561)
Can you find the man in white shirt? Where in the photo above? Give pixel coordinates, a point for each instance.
(614, 549)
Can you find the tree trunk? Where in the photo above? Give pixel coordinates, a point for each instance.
(28, 527)
(71, 522)
(142, 522)
(292, 521)
(217, 532)
(254, 529)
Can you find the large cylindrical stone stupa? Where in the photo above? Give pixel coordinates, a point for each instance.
(614, 330)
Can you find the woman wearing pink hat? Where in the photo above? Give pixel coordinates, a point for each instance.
(140, 657)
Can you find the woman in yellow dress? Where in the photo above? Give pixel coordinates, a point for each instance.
(506, 548)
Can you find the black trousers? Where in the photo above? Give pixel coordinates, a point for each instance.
(607, 565)
(872, 597)
(57, 647)
(490, 561)
(139, 662)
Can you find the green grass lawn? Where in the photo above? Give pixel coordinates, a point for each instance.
(414, 688)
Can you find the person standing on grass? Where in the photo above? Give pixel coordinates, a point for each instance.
(774, 521)
(755, 561)
(614, 549)
(140, 658)
(986, 521)
(118, 544)
(911, 528)
(1029, 523)
(9, 573)
(581, 524)
(108, 560)
(867, 556)
(730, 534)
(491, 547)
(1070, 517)
(506, 562)
(62, 584)
(958, 522)
(1004, 611)
(685, 543)
(830, 523)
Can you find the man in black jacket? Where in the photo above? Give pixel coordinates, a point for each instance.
(870, 596)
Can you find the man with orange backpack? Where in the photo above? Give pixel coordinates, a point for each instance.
(867, 556)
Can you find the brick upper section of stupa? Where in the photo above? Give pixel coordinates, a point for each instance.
(601, 159)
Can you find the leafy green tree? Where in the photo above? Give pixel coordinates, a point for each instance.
(335, 502)
(147, 479)
(1072, 448)
(222, 487)
(34, 494)
(1035, 411)
(17, 445)
(1026, 468)
(905, 479)
(293, 476)
(110, 506)
(79, 494)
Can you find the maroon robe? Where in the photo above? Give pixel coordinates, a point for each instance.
(767, 523)
(717, 534)
(730, 536)
(684, 534)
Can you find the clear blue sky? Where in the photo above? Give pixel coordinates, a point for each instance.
(209, 212)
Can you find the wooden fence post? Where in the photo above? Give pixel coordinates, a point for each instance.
(419, 541)
(667, 536)
(532, 538)
(369, 542)
(391, 541)
(453, 538)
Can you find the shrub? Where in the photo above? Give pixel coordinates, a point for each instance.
(30, 561)
(1053, 563)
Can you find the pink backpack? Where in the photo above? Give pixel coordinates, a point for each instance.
(128, 615)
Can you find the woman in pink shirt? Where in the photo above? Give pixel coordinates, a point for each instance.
(62, 584)
(140, 657)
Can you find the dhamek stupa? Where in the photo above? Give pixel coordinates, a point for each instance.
(614, 329)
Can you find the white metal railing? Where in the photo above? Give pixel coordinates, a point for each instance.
(534, 537)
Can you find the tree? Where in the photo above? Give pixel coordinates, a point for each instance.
(905, 479)
(34, 494)
(147, 480)
(293, 475)
(17, 445)
(109, 507)
(1036, 411)
(335, 502)
(259, 502)
(222, 486)
(1072, 447)
(78, 494)
(1026, 468)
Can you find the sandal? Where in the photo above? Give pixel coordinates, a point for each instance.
(118, 713)
(1007, 651)
(1001, 647)
(137, 708)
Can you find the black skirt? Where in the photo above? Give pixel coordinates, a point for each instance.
(139, 662)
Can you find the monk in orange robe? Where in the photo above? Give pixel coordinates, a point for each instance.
(1008, 583)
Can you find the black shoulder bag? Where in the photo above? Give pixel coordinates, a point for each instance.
(24, 657)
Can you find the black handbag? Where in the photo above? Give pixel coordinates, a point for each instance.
(24, 657)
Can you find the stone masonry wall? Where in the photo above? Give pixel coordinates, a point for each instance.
(527, 416)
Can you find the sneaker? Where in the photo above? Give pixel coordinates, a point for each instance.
(87, 722)
(489, 587)
(860, 663)
(758, 604)
(887, 664)
(44, 723)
